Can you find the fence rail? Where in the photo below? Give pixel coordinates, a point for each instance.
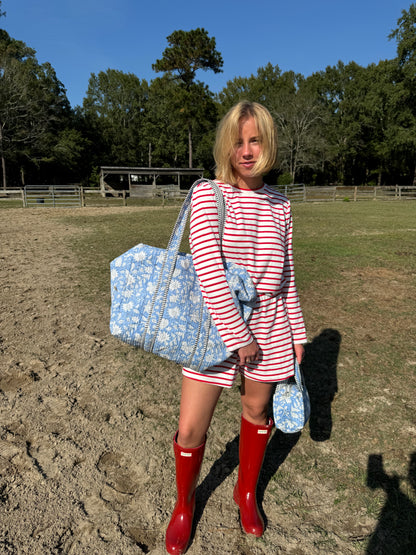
(303, 193)
(11, 193)
(76, 195)
(52, 196)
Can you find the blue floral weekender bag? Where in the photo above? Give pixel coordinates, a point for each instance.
(157, 304)
(291, 404)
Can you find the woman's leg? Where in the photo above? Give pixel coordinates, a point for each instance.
(198, 402)
(255, 397)
(254, 435)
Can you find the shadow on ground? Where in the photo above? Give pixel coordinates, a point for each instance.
(320, 373)
(396, 529)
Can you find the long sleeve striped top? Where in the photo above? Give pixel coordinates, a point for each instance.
(258, 236)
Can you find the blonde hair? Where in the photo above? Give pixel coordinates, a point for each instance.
(228, 135)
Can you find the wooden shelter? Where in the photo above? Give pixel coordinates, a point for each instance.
(145, 182)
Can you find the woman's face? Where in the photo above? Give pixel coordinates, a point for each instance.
(245, 154)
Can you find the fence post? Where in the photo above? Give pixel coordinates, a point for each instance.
(335, 194)
(81, 192)
(375, 192)
(355, 193)
(124, 197)
(304, 193)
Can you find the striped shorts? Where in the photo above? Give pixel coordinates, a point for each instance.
(269, 325)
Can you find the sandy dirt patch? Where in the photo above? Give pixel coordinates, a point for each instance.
(86, 463)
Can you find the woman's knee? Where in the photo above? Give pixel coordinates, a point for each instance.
(190, 436)
(255, 413)
(198, 402)
(255, 397)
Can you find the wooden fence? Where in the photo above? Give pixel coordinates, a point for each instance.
(75, 195)
(300, 193)
(303, 193)
(93, 197)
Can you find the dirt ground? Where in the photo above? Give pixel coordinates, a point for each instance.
(86, 463)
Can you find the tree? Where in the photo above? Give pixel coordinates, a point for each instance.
(266, 87)
(340, 94)
(64, 155)
(189, 51)
(371, 125)
(405, 36)
(301, 126)
(32, 100)
(166, 123)
(114, 108)
(166, 133)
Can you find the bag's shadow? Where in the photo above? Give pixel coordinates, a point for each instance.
(320, 373)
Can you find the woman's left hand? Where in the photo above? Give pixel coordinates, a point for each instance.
(249, 353)
(299, 352)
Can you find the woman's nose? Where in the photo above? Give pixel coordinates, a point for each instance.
(246, 149)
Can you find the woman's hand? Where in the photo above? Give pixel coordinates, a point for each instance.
(299, 352)
(249, 353)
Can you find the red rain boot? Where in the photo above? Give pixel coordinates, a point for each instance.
(253, 442)
(188, 465)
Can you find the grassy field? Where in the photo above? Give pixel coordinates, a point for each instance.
(353, 469)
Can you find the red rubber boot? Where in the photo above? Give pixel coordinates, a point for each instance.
(188, 465)
(253, 442)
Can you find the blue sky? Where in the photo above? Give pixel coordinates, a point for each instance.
(80, 37)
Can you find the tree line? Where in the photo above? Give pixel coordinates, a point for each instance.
(346, 124)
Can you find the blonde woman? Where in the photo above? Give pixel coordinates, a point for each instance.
(258, 236)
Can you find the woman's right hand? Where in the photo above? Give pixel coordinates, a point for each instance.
(249, 353)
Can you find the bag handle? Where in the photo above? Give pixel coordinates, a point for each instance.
(179, 228)
(171, 253)
(298, 376)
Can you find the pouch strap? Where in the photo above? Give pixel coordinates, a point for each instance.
(298, 376)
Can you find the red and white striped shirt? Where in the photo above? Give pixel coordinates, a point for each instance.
(258, 236)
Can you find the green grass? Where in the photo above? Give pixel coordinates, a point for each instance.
(333, 237)
(356, 275)
(106, 236)
(11, 203)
